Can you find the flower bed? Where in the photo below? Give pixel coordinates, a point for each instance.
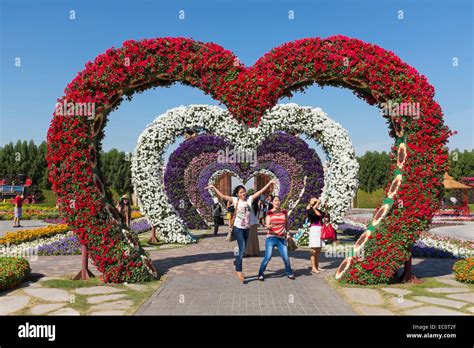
(67, 245)
(29, 212)
(431, 245)
(32, 234)
(464, 270)
(30, 249)
(136, 215)
(140, 225)
(13, 270)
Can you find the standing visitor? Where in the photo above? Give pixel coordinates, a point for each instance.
(217, 215)
(315, 217)
(253, 248)
(278, 232)
(17, 210)
(242, 205)
(125, 210)
(270, 202)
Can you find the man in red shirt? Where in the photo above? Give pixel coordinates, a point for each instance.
(18, 201)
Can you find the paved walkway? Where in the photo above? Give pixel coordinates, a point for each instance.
(464, 231)
(7, 225)
(199, 279)
(224, 295)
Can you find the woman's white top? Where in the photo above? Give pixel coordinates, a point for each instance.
(242, 212)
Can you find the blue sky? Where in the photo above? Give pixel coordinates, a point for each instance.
(53, 48)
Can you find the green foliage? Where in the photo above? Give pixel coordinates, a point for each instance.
(28, 158)
(464, 270)
(115, 166)
(374, 170)
(13, 270)
(461, 164)
(25, 158)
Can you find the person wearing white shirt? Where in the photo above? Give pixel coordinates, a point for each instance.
(242, 222)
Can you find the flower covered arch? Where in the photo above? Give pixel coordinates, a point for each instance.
(148, 163)
(190, 167)
(374, 74)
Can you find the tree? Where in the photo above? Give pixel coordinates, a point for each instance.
(461, 164)
(373, 171)
(115, 167)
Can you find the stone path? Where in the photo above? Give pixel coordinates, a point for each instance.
(225, 295)
(200, 279)
(36, 298)
(450, 298)
(7, 225)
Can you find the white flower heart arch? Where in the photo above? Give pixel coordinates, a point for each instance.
(340, 178)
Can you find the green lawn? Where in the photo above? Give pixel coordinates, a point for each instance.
(369, 200)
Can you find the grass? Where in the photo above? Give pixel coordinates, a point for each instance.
(79, 302)
(471, 207)
(369, 200)
(68, 284)
(49, 198)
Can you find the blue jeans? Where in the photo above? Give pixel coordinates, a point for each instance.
(280, 243)
(241, 236)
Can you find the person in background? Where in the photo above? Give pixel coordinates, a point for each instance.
(125, 210)
(270, 202)
(217, 215)
(278, 231)
(253, 247)
(17, 210)
(241, 225)
(230, 214)
(315, 217)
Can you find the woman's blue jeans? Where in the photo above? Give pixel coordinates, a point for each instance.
(280, 243)
(241, 236)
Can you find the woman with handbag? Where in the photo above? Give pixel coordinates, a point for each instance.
(277, 235)
(315, 217)
(241, 224)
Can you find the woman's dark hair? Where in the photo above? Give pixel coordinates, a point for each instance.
(273, 198)
(255, 206)
(235, 193)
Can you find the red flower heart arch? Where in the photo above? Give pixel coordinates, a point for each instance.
(419, 156)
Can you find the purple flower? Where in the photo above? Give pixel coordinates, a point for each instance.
(67, 246)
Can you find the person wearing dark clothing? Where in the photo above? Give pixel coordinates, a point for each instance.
(217, 215)
(315, 217)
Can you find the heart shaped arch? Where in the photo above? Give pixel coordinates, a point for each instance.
(374, 74)
(195, 160)
(148, 162)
